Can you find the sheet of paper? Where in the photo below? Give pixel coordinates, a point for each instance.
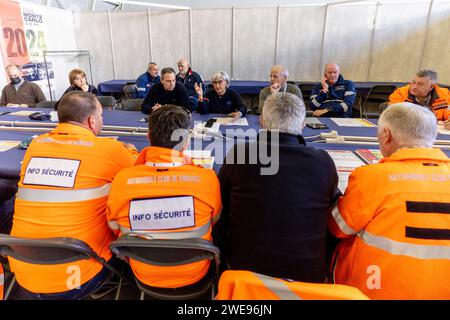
(345, 162)
(8, 144)
(229, 121)
(441, 128)
(352, 122)
(54, 116)
(201, 157)
(23, 113)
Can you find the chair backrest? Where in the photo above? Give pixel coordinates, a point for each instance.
(107, 101)
(165, 252)
(129, 90)
(46, 104)
(306, 89)
(132, 104)
(48, 251)
(380, 93)
(246, 285)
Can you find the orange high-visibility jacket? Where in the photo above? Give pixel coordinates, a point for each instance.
(395, 218)
(154, 198)
(246, 285)
(64, 183)
(2, 281)
(440, 100)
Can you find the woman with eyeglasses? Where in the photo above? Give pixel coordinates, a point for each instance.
(78, 82)
(222, 99)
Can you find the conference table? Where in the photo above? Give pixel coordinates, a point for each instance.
(128, 126)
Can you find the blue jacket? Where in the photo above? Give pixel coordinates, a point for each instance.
(189, 81)
(338, 100)
(144, 83)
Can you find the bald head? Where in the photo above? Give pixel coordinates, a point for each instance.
(332, 72)
(183, 66)
(279, 74)
(14, 72)
(81, 108)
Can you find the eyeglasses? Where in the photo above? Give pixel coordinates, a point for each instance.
(217, 82)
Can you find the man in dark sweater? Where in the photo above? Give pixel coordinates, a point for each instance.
(168, 91)
(274, 222)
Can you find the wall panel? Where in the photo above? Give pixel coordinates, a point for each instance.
(347, 39)
(437, 45)
(300, 41)
(131, 43)
(398, 41)
(98, 42)
(211, 41)
(170, 37)
(254, 53)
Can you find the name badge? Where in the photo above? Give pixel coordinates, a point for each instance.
(162, 213)
(51, 172)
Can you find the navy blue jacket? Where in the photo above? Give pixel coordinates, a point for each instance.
(229, 102)
(178, 96)
(338, 100)
(276, 224)
(144, 83)
(189, 81)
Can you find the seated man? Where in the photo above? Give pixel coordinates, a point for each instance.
(146, 80)
(179, 199)
(278, 77)
(395, 215)
(274, 221)
(333, 97)
(168, 91)
(64, 183)
(424, 91)
(189, 78)
(20, 91)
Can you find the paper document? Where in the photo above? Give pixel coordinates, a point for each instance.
(230, 121)
(54, 116)
(370, 156)
(441, 128)
(352, 122)
(22, 113)
(8, 144)
(345, 162)
(201, 158)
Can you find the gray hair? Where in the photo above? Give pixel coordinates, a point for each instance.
(221, 75)
(325, 67)
(9, 66)
(284, 71)
(428, 73)
(411, 125)
(284, 112)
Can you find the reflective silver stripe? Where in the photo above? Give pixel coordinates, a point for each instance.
(344, 106)
(46, 195)
(2, 279)
(341, 222)
(333, 100)
(405, 249)
(280, 289)
(313, 96)
(195, 233)
(140, 89)
(217, 217)
(349, 93)
(314, 101)
(164, 164)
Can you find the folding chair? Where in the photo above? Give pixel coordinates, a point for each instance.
(170, 252)
(370, 107)
(306, 89)
(132, 104)
(129, 90)
(51, 251)
(46, 104)
(108, 102)
(246, 285)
